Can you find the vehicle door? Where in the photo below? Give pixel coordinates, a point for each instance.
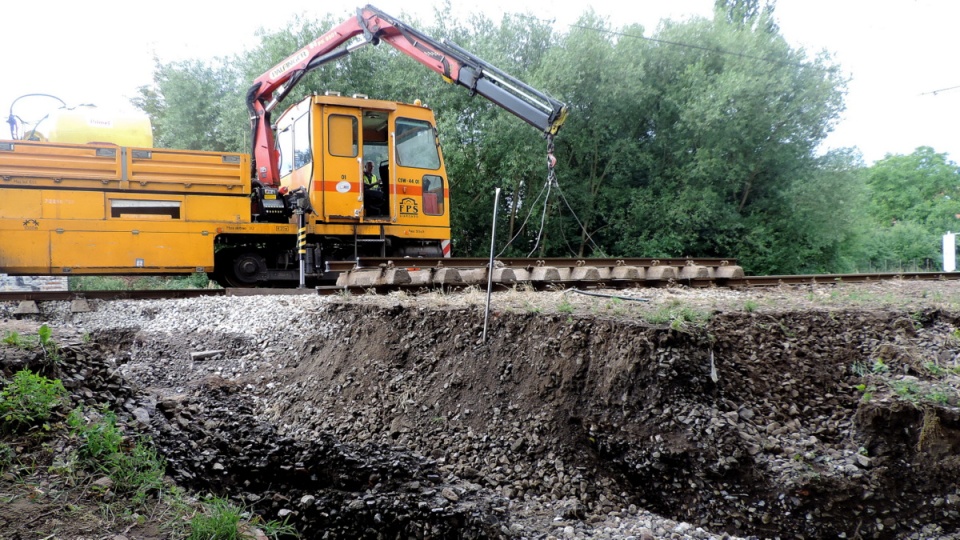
(342, 164)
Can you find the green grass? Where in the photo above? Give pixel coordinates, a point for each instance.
(907, 390)
(43, 339)
(135, 468)
(29, 399)
(934, 369)
(565, 306)
(879, 366)
(13, 338)
(197, 280)
(222, 520)
(677, 316)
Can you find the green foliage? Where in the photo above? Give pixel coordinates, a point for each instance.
(750, 306)
(189, 102)
(938, 396)
(914, 199)
(218, 521)
(907, 390)
(44, 333)
(134, 467)
(677, 316)
(98, 439)
(879, 366)
(97, 283)
(934, 369)
(28, 399)
(222, 520)
(197, 280)
(565, 306)
(7, 456)
(12, 337)
(43, 339)
(706, 150)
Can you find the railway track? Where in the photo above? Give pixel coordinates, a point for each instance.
(385, 274)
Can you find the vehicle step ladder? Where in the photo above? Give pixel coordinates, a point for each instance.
(382, 240)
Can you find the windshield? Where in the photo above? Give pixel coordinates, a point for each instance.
(416, 144)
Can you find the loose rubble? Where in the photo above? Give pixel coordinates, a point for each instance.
(786, 415)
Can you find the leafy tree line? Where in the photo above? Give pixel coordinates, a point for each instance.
(700, 140)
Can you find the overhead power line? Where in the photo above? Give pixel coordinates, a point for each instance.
(701, 48)
(935, 92)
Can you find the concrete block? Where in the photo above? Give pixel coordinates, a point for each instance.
(27, 307)
(447, 276)
(80, 305)
(544, 273)
(360, 278)
(584, 273)
(504, 275)
(396, 276)
(661, 273)
(629, 273)
(729, 272)
(694, 272)
(474, 276)
(421, 277)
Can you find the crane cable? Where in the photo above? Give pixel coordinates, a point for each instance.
(547, 188)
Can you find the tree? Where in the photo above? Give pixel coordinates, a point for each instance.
(915, 199)
(699, 142)
(923, 187)
(693, 143)
(191, 105)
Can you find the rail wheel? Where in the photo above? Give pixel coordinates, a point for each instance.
(241, 269)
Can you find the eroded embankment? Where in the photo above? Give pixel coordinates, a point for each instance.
(754, 425)
(397, 421)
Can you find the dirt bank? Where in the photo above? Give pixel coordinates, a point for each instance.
(789, 413)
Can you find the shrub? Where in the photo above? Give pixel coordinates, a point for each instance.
(29, 398)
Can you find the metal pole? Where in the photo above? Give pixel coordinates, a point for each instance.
(302, 243)
(493, 243)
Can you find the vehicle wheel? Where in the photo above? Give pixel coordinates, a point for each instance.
(243, 270)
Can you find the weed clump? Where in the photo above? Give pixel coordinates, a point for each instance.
(29, 399)
(220, 519)
(134, 466)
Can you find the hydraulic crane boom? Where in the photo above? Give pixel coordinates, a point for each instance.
(453, 63)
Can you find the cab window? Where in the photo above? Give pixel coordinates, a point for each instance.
(285, 146)
(433, 195)
(417, 144)
(343, 135)
(302, 149)
(293, 142)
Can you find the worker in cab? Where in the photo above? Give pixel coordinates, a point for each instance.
(374, 199)
(370, 180)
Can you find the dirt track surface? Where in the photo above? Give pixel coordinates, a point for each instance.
(676, 413)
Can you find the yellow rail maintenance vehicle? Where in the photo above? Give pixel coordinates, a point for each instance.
(332, 179)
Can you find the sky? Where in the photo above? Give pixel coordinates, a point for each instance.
(904, 90)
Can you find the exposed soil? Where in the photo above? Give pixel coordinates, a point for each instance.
(785, 413)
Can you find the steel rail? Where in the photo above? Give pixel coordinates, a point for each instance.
(832, 279)
(137, 294)
(746, 282)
